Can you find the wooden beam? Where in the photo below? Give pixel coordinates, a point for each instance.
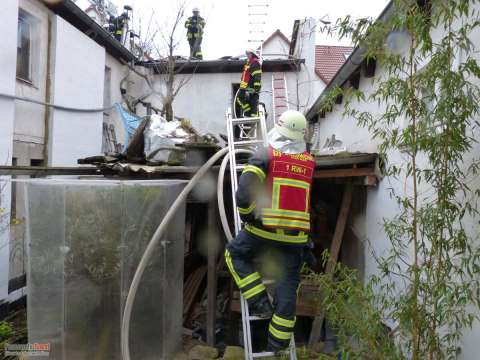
(334, 252)
(212, 249)
(336, 173)
(38, 171)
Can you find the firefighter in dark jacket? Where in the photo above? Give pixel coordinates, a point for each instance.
(273, 199)
(250, 85)
(119, 25)
(195, 25)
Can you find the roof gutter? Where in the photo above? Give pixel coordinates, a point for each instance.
(69, 11)
(349, 66)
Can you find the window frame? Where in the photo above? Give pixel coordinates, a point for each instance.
(33, 47)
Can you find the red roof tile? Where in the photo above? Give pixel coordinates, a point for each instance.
(329, 59)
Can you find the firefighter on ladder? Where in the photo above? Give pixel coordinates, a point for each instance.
(273, 200)
(195, 25)
(250, 85)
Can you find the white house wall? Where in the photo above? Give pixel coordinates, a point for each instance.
(8, 61)
(30, 118)
(378, 205)
(309, 84)
(77, 82)
(206, 97)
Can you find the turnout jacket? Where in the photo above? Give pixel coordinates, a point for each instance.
(273, 196)
(251, 76)
(194, 25)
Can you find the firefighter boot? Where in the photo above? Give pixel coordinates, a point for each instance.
(261, 308)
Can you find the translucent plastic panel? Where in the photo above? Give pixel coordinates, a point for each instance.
(86, 239)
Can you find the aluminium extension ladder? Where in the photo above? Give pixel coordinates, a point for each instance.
(253, 133)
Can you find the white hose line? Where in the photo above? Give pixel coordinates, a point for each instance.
(221, 203)
(127, 312)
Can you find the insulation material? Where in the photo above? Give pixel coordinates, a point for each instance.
(85, 240)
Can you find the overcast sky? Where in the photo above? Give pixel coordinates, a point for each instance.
(226, 32)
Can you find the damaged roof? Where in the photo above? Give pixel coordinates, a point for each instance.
(69, 11)
(184, 66)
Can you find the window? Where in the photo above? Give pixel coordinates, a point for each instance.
(24, 46)
(36, 162)
(27, 47)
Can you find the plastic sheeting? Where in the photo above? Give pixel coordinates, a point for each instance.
(85, 240)
(161, 136)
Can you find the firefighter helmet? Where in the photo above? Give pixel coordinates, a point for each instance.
(251, 51)
(292, 124)
(196, 9)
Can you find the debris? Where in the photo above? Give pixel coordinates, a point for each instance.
(191, 287)
(181, 356)
(202, 352)
(160, 138)
(234, 353)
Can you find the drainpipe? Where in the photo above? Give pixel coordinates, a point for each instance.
(48, 93)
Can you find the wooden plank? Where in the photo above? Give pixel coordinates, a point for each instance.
(334, 252)
(191, 287)
(212, 249)
(344, 159)
(337, 173)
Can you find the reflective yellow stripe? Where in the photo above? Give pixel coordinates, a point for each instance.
(292, 182)
(248, 279)
(290, 213)
(256, 170)
(301, 238)
(282, 335)
(256, 83)
(256, 72)
(247, 210)
(228, 260)
(283, 322)
(253, 291)
(243, 85)
(285, 223)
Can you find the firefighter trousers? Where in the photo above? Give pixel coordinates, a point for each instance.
(248, 103)
(195, 47)
(288, 260)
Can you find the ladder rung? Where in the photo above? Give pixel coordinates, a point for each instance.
(280, 97)
(263, 354)
(247, 142)
(279, 88)
(281, 106)
(245, 121)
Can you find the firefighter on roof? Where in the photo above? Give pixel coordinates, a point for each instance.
(195, 25)
(250, 85)
(273, 200)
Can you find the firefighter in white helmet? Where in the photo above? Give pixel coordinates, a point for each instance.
(195, 25)
(250, 85)
(273, 200)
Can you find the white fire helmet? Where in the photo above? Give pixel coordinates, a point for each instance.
(292, 124)
(251, 51)
(196, 9)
